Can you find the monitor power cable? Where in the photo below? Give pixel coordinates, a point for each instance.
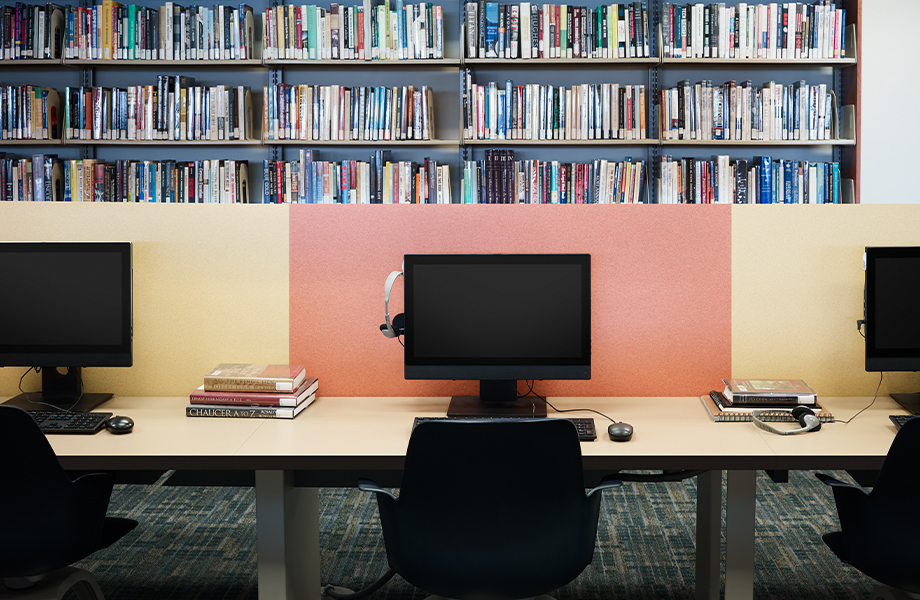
(57, 408)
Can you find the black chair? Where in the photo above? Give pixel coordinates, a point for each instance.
(491, 510)
(880, 531)
(47, 521)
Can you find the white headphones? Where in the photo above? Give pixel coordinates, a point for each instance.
(387, 328)
(806, 417)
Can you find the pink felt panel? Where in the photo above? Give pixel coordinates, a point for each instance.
(661, 290)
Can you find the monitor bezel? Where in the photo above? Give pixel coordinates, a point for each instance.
(880, 359)
(472, 368)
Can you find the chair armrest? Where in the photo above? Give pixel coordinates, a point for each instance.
(834, 482)
(369, 485)
(610, 481)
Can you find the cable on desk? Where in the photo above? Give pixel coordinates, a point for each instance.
(874, 398)
(330, 592)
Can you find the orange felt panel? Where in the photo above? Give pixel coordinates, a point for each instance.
(661, 290)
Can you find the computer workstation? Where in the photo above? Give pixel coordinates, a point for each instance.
(69, 306)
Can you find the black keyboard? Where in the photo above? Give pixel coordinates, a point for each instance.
(584, 425)
(899, 420)
(51, 421)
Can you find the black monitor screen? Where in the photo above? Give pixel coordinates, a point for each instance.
(893, 308)
(498, 317)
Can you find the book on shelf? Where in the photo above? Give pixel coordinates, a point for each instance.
(777, 391)
(307, 389)
(254, 377)
(778, 415)
(248, 412)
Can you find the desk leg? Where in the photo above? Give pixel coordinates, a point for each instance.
(740, 512)
(287, 532)
(708, 534)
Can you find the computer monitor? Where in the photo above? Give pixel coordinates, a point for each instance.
(497, 318)
(892, 298)
(65, 305)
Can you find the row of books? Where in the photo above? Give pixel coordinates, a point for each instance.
(591, 111)
(375, 181)
(173, 109)
(115, 31)
(29, 112)
(733, 111)
(336, 112)
(499, 179)
(47, 178)
(775, 30)
(530, 30)
(763, 180)
(31, 31)
(253, 391)
(368, 31)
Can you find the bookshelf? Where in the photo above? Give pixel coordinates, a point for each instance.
(450, 79)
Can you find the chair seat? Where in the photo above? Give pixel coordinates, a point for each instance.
(56, 584)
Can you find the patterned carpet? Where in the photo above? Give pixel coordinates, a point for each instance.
(199, 543)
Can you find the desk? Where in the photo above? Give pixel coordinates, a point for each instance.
(339, 439)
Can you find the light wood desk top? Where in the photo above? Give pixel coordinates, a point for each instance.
(361, 434)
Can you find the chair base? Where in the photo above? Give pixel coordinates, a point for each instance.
(884, 592)
(56, 584)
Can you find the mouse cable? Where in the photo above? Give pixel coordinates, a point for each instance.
(664, 476)
(874, 398)
(41, 403)
(330, 591)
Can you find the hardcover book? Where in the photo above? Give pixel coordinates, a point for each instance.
(254, 377)
(248, 412)
(252, 398)
(768, 390)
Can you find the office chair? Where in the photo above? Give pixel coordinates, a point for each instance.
(880, 532)
(490, 510)
(47, 521)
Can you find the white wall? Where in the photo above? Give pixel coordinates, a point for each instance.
(890, 90)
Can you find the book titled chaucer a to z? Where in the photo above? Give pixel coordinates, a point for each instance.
(248, 412)
(254, 377)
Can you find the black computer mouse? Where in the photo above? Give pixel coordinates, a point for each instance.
(620, 432)
(118, 424)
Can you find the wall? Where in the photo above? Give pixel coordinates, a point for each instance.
(683, 295)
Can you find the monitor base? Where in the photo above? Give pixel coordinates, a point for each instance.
(910, 402)
(36, 401)
(474, 406)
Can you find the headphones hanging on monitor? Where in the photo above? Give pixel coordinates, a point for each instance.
(806, 417)
(397, 326)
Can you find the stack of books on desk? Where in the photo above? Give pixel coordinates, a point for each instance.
(741, 396)
(253, 391)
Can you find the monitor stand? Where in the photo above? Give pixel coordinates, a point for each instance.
(60, 391)
(496, 399)
(910, 402)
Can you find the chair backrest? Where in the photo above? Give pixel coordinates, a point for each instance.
(46, 521)
(491, 509)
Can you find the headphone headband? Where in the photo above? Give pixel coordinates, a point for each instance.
(806, 417)
(387, 327)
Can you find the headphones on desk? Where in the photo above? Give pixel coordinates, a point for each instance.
(806, 417)
(397, 326)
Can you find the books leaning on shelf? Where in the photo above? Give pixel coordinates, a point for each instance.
(116, 31)
(341, 113)
(776, 414)
(531, 30)
(173, 109)
(30, 112)
(373, 30)
(762, 180)
(590, 111)
(499, 179)
(768, 392)
(788, 30)
(31, 31)
(375, 181)
(744, 112)
(39, 178)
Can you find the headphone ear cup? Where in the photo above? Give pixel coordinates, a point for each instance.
(399, 324)
(806, 417)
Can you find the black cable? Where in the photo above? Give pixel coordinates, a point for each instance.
(39, 402)
(532, 394)
(881, 377)
(330, 592)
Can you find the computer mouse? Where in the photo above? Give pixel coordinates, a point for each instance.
(118, 424)
(620, 432)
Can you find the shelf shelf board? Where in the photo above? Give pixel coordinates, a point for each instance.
(359, 64)
(31, 62)
(361, 143)
(161, 142)
(543, 62)
(30, 142)
(140, 63)
(758, 142)
(584, 143)
(760, 62)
